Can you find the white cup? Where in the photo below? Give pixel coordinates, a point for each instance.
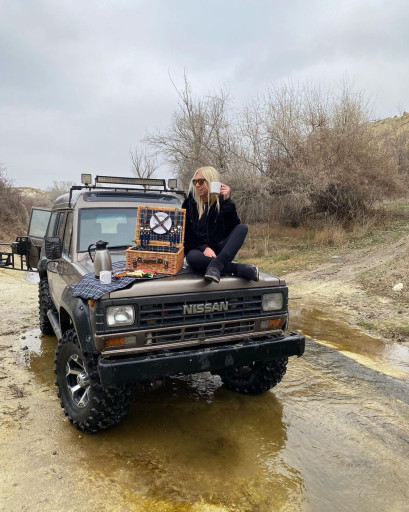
(215, 187)
(105, 276)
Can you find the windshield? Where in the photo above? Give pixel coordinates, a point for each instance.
(117, 226)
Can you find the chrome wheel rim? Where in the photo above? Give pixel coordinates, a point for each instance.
(78, 381)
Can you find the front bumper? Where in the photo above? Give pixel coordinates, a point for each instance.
(205, 359)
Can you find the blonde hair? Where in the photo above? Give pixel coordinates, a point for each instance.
(209, 174)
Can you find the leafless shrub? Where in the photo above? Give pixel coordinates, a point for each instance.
(290, 209)
(296, 153)
(249, 193)
(332, 234)
(13, 215)
(379, 217)
(321, 153)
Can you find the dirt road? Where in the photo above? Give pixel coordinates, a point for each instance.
(197, 447)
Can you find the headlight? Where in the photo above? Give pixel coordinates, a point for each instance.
(120, 315)
(272, 302)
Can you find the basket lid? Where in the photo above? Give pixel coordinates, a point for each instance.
(157, 226)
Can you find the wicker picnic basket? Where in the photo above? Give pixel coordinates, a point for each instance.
(159, 239)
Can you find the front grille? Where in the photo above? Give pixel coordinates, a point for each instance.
(193, 317)
(152, 316)
(199, 332)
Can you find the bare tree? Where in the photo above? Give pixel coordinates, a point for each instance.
(297, 151)
(144, 164)
(198, 133)
(317, 152)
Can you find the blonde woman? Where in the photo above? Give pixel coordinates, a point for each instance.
(214, 233)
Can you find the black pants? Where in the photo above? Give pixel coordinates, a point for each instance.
(230, 247)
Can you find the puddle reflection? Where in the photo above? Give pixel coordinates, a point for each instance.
(37, 354)
(189, 441)
(326, 428)
(189, 444)
(390, 357)
(32, 277)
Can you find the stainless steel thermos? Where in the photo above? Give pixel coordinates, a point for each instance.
(102, 258)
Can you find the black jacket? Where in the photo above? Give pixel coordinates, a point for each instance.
(219, 224)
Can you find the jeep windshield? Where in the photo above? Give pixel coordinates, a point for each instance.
(117, 226)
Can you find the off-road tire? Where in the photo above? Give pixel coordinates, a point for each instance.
(255, 379)
(44, 304)
(88, 405)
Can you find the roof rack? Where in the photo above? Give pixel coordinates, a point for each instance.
(132, 184)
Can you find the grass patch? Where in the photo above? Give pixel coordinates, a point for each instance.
(398, 331)
(367, 325)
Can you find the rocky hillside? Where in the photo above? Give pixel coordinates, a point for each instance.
(35, 196)
(395, 122)
(15, 209)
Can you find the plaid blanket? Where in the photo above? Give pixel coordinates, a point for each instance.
(90, 287)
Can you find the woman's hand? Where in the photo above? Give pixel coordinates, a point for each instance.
(209, 252)
(225, 191)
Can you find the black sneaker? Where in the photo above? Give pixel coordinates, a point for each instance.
(248, 272)
(212, 274)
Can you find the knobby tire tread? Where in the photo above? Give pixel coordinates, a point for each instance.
(259, 379)
(106, 407)
(44, 304)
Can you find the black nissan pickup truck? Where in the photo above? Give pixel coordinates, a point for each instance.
(112, 339)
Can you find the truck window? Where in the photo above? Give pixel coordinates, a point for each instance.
(67, 235)
(59, 227)
(38, 222)
(51, 224)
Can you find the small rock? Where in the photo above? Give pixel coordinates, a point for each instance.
(398, 287)
(23, 337)
(25, 347)
(55, 452)
(400, 312)
(336, 257)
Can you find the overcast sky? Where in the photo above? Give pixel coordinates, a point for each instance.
(81, 82)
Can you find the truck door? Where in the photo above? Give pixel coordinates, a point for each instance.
(37, 228)
(63, 272)
(56, 270)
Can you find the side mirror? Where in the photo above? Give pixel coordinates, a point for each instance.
(53, 247)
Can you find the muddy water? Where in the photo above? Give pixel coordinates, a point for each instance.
(334, 435)
(332, 329)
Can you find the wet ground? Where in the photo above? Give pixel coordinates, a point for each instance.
(333, 436)
(329, 327)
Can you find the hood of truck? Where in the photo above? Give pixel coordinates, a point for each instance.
(191, 283)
